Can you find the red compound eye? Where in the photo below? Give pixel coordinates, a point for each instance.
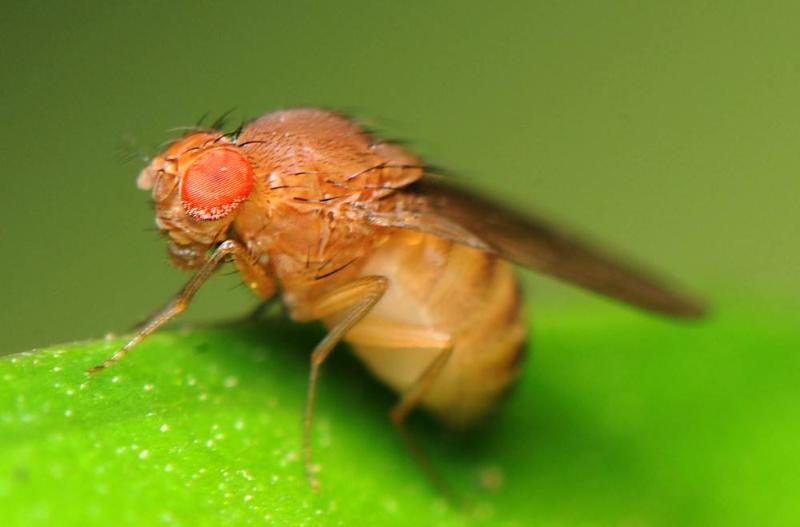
(215, 183)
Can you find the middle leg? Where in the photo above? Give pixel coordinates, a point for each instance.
(355, 300)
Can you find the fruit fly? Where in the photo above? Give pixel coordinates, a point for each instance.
(413, 272)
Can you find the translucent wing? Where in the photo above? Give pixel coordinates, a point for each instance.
(435, 207)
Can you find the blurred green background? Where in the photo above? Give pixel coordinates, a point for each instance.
(667, 129)
(670, 130)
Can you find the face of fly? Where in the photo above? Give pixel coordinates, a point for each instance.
(197, 185)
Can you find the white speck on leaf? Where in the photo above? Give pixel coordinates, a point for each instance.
(390, 505)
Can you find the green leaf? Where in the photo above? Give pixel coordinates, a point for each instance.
(618, 419)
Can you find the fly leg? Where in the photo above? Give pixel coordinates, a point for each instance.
(252, 273)
(410, 400)
(260, 311)
(405, 337)
(355, 300)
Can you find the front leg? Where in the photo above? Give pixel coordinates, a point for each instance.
(253, 274)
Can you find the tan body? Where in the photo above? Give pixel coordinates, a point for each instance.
(413, 272)
(439, 294)
(453, 291)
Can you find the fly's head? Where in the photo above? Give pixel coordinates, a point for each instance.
(197, 185)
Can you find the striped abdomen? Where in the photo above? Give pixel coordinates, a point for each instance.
(468, 294)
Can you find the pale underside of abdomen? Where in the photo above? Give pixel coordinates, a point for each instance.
(468, 294)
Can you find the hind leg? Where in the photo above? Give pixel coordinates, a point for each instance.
(407, 339)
